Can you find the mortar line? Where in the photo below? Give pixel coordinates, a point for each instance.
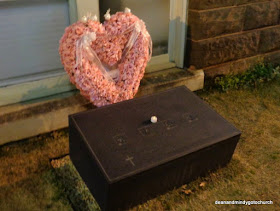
(231, 6)
(235, 33)
(238, 60)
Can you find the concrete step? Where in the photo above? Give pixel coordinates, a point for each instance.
(34, 117)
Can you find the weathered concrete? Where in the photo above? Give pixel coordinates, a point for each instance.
(261, 15)
(272, 57)
(221, 33)
(219, 50)
(32, 118)
(210, 4)
(233, 67)
(212, 23)
(241, 65)
(270, 39)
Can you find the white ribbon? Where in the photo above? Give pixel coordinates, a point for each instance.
(84, 50)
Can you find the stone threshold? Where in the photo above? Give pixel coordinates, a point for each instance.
(26, 119)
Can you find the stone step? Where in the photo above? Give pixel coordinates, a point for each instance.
(34, 117)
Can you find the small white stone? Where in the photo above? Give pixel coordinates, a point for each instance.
(127, 10)
(84, 19)
(154, 119)
(107, 16)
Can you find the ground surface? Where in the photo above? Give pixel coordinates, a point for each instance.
(28, 181)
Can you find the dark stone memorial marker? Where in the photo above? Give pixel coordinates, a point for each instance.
(125, 159)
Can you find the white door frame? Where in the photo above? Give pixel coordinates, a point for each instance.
(177, 31)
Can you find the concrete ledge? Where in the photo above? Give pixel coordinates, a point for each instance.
(31, 118)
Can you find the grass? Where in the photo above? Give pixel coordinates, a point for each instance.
(257, 74)
(39, 192)
(29, 183)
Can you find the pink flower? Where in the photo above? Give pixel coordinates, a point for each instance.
(111, 40)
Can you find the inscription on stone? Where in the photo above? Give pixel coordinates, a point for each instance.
(120, 139)
(130, 159)
(187, 117)
(167, 125)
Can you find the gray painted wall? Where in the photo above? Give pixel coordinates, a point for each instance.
(29, 36)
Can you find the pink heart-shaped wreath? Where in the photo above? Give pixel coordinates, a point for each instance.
(106, 62)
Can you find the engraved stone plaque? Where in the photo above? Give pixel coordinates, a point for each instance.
(128, 159)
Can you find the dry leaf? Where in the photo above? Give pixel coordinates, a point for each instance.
(187, 192)
(184, 187)
(202, 184)
(192, 67)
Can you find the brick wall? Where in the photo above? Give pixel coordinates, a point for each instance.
(228, 36)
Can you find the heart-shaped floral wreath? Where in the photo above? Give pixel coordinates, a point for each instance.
(106, 61)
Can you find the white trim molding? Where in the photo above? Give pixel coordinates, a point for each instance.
(73, 15)
(178, 31)
(87, 6)
(35, 89)
(159, 62)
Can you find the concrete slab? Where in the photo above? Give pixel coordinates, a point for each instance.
(31, 118)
